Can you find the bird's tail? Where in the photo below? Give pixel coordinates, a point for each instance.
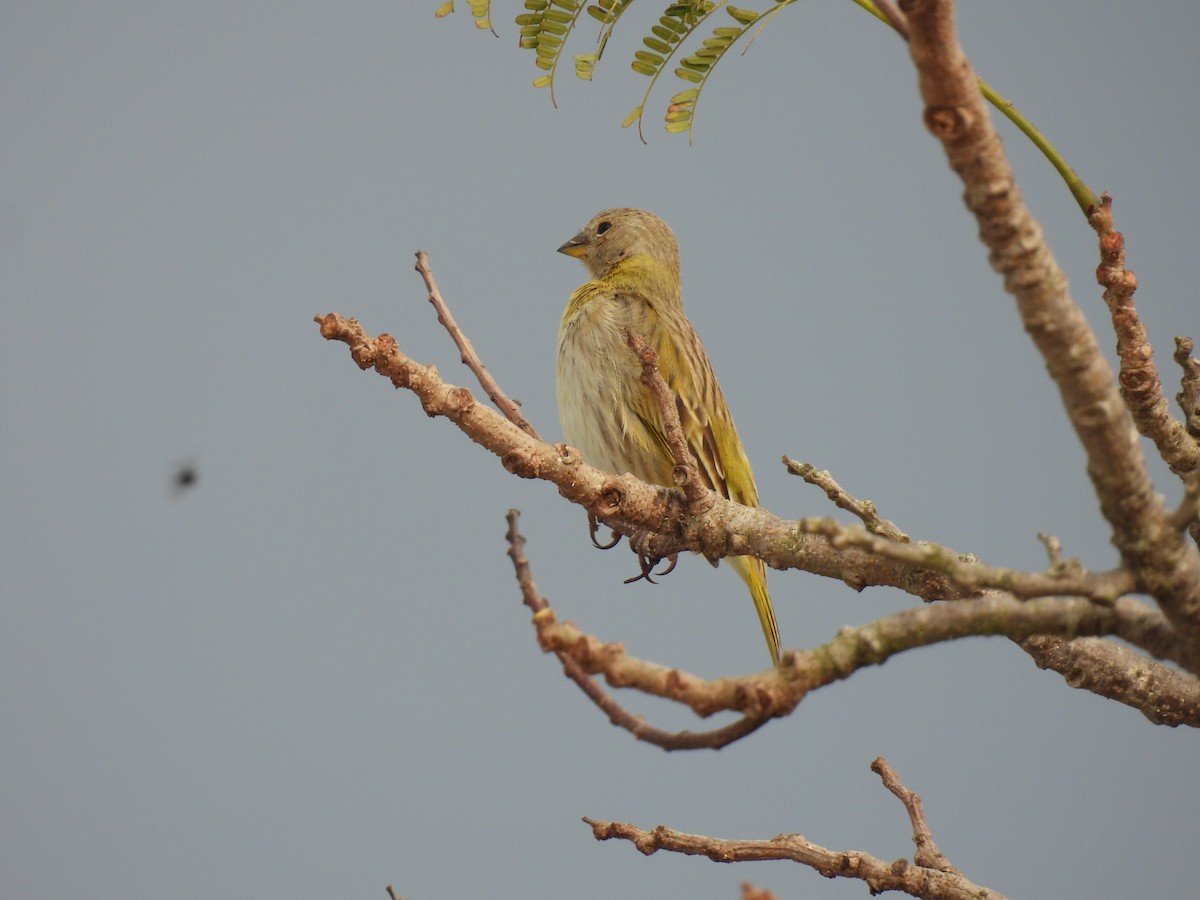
(754, 573)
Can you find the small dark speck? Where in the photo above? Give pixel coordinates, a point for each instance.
(184, 479)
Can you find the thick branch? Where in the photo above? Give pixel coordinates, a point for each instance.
(1161, 694)
(820, 546)
(776, 692)
(1165, 565)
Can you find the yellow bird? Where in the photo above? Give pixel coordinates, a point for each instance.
(606, 411)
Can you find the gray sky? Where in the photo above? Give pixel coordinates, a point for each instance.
(312, 675)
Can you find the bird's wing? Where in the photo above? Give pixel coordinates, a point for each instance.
(706, 421)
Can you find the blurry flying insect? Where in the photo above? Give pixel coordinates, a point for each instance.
(184, 478)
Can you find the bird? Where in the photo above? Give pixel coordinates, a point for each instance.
(605, 410)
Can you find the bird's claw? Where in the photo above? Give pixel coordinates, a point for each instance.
(648, 561)
(593, 527)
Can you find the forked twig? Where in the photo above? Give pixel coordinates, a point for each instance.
(617, 714)
(931, 877)
(863, 509)
(928, 854)
(508, 406)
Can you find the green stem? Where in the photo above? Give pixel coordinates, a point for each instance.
(1084, 195)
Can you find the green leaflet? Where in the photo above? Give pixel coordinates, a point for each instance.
(743, 16)
(584, 64)
(544, 30)
(481, 13)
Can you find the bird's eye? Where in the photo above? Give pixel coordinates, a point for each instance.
(603, 227)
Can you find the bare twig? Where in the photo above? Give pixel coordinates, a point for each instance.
(1141, 386)
(1187, 515)
(969, 573)
(617, 714)
(1189, 385)
(931, 877)
(1053, 549)
(686, 473)
(470, 358)
(927, 855)
(863, 509)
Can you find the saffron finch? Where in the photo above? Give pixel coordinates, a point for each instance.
(606, 411)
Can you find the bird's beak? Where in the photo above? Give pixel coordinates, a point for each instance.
(576, 246)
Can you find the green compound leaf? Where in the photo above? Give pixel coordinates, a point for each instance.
(608, 13)
(696, 68)
(544, 30)
(547, 25)
(678, 22)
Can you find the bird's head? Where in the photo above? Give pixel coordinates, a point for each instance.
(618, 234)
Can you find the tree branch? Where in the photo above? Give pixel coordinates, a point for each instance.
(1164, 565)
(932, 877)
(1161, 694)
(864, 510)
(686, 473)
(927, 855)
(818, 545)
(776, 692)
(1189, 384)
(510, 408)
(617, 714)
(1141, 386)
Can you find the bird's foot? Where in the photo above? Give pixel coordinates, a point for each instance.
(594, 527)
(647, 560)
